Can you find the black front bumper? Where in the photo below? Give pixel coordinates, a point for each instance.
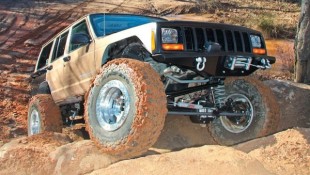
(215, 62)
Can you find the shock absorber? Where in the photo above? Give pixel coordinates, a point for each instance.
(219, 95)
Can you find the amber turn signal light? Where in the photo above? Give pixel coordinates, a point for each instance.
(259, 51)
(173, 46)
(153, 44)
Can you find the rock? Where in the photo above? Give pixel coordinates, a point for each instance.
(30, 155)
(30, 42)
(179, 133)
(294, 103)
(212, 160)
(286, 152)
(51, 153)
(84, 156)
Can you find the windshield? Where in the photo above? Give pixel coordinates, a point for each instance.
(108, 24)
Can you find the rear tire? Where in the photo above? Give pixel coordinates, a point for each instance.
(265, 117)
(125, 108)
(43, 115)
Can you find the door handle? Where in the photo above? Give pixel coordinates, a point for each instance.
(67, 58)
(50, 67)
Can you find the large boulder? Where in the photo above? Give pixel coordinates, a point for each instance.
(286, 152)
(212, 160)
(294, 101)
(30, 155)
(79, 158)
(52, 153)
(283, 153)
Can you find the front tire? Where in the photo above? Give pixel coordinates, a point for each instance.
(43, 115)
(125, 108)
(257, 101)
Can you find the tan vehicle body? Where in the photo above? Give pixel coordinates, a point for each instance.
(70, 80)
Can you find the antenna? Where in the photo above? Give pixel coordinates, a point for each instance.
(104, 19)
(104, 23)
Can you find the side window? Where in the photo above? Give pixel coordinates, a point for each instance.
(60, 46)
(45, 54)
(80, 28)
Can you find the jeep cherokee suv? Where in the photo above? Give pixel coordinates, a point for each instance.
(120, 75)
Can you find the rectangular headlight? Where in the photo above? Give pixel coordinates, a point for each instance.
(169, 35)
(256, 41)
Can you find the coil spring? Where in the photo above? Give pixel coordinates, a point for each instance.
(219, 95)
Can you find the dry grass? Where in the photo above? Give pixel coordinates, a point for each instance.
(275, 18)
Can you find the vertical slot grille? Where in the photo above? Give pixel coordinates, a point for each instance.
(246, 40)
(210, 35)
(200, 38)
(238, 40)
(230, 40)
(221, 39)
(189, 38)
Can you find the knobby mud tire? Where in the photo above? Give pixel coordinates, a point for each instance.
(148, 109)
(49, 113)
(266, 112)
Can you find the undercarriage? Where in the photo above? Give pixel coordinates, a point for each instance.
(202, 98)
(205, 99)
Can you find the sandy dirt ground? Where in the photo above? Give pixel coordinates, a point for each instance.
(183, 147)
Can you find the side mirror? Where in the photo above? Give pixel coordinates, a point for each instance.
(80, 39)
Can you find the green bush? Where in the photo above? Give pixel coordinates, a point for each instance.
(271, 28)
(266, 23)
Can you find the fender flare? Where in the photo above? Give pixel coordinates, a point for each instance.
(44, 88)
(115, 50)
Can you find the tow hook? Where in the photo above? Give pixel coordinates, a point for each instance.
(200, 63)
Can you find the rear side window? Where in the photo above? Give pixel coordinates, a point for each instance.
(79, 28)
(45, 54)
(60, 46)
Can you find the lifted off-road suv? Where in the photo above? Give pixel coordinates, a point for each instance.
(120, 75)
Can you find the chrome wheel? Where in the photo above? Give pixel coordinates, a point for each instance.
(112, 105)
(35, 123)
(240, 104)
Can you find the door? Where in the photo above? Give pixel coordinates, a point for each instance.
(55, 76)
(39, 76)
(79, 70)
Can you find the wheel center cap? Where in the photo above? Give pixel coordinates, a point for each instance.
(112, 105)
